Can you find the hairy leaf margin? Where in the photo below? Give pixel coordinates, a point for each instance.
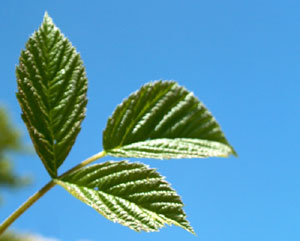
(164, 120)
(52, 86)
(131, 194)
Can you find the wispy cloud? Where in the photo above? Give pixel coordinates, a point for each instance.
(26, 236)
(37, 237)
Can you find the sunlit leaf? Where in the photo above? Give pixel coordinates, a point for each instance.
(131, 194)
(164, 120)
(52, 88)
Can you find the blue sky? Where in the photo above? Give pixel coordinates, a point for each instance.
(241, 58)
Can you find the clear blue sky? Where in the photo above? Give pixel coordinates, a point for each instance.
(241, 58)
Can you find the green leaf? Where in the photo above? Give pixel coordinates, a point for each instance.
(52, 88)
(164, 120)
(131, 194)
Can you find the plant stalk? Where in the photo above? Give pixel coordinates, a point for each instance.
(27, 204)
(84, 163)
(31, 200)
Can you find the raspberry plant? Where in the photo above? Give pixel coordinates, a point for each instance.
(161, 120)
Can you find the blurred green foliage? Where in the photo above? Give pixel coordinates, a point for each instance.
(10, 142)
(10, 236)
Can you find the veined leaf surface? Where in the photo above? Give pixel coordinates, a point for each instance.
(52, 88)
(131, 194)
(164, 120)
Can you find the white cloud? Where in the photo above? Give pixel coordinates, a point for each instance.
(36, 237)
(26, 236)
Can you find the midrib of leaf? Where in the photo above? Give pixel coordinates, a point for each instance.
(45, 84)
(46, 50)
(173, 148)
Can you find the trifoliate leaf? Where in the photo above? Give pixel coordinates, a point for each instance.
(52, 88)
(131, 194)
(164, 120)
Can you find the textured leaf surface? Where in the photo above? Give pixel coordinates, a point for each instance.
(131, 194)
(172, 148)
(163, 120)
(52, 88)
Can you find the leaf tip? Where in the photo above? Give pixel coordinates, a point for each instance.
(233, 152)
(192, 231)
(47, 19)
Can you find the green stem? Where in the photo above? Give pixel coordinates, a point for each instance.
(25, 206)
(31, 200)
(84, 163)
